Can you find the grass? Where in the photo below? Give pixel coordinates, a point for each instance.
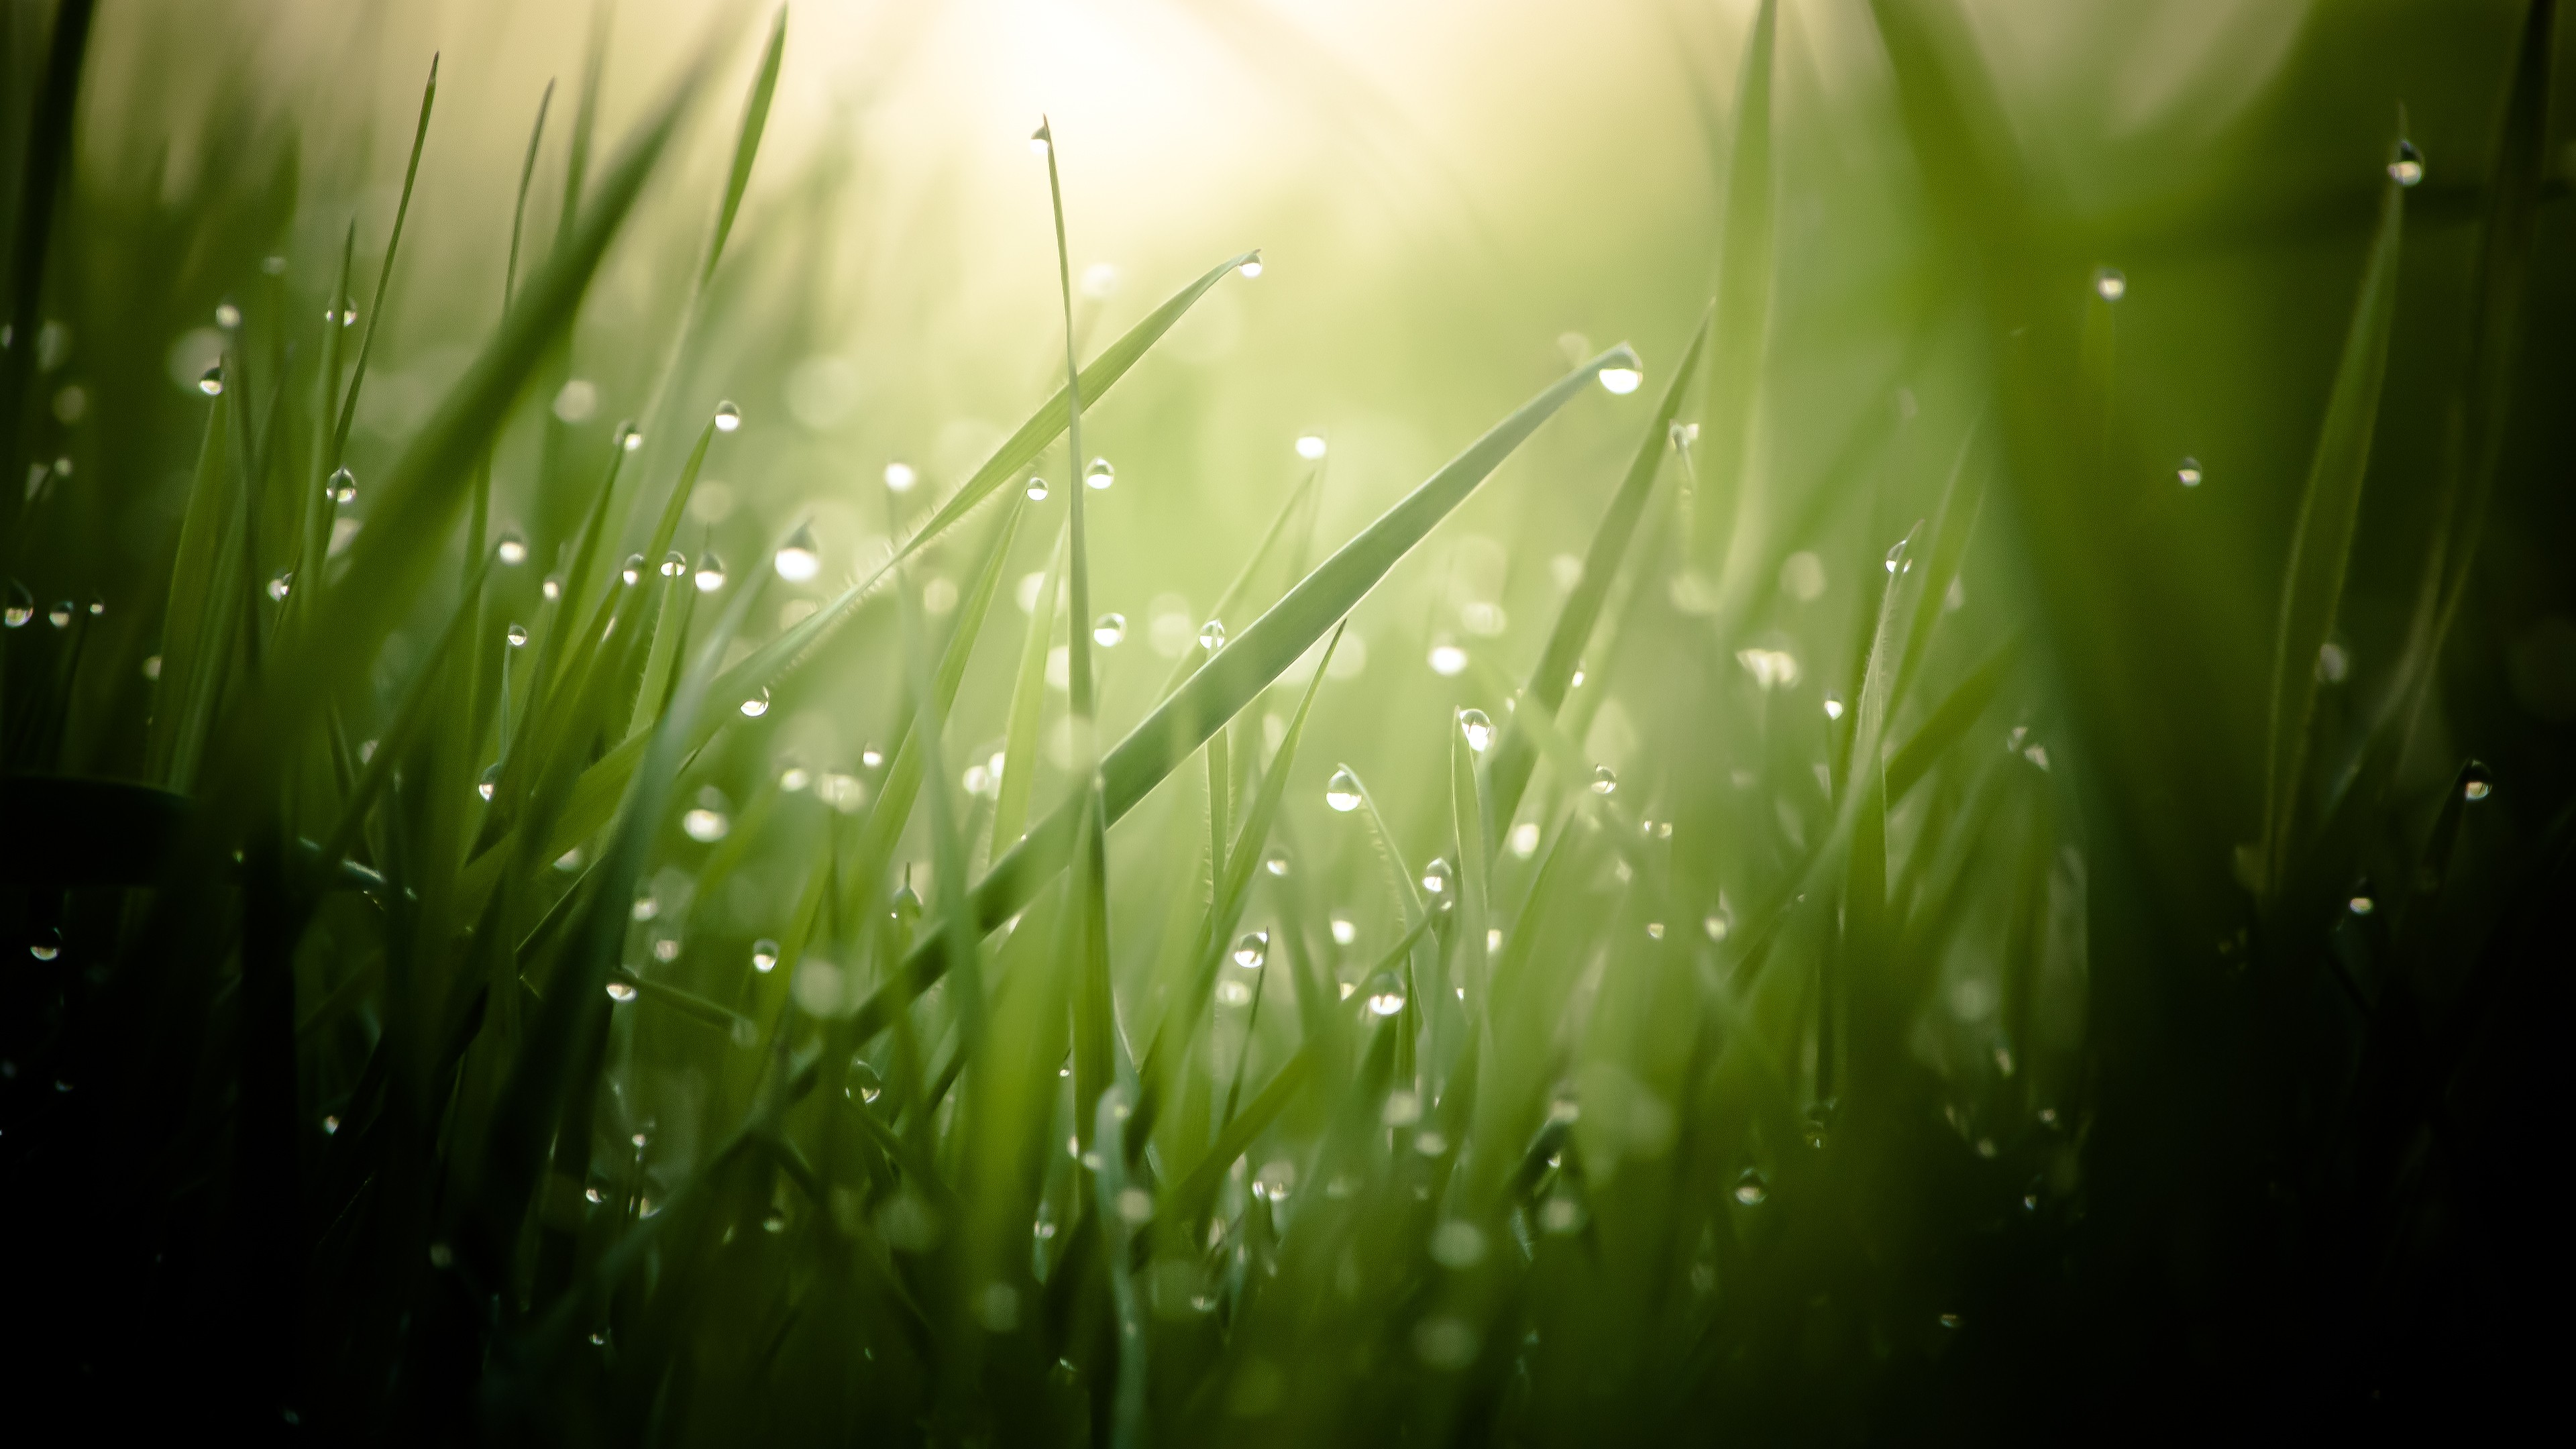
(558, 946)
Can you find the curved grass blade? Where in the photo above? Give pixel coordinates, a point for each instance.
(792, 648)
(1743, 305)
(519, 210)
(384, 276)
(1508, 773)
(2321, 543)
(1239, 672)
(1077, 639)
(746, 146)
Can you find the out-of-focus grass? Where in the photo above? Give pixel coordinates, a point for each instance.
(1968, 841)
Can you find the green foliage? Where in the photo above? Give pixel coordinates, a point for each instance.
(1869, 949)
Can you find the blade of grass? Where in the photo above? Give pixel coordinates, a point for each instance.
(384, 275)
(1507, 774)
(519, 209)
(1028, 707)
(2321, 541)
(1743, 305)
(746, 146)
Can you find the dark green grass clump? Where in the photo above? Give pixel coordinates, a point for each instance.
(1944, 918)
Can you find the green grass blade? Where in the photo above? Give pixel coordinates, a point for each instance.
(1078, 638)
(774, 659)
(1509, 771)
(2321, 542)
(746, 146)
(519, 210)
(1240, 671)
(1028, 707)
(385, 275)
(1949, 720)
(1743, 306)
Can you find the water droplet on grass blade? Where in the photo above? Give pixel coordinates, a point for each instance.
(1623, 373)
(1311, 446)
(490, 782)
(711, 573)
(60, 615)
(621, 992)
(1478, 729)
(1447, 659)
(1605, 781)
(1751, 1188)
(675, 564)
(344, 486)
(728, 417)
(1099, 475)
(1212, 635)
(2187, 473)
(1385, 992)
(1041, 140)
(764, 955)
(1436, 877)
(212, 382)
(1109, 630)
(899, 476)
(1037, 489)
(2407, 166)
(46, 944)
(633, 571)
(2110, 283)
(756, 706)
(1276, 862)
(704, 826)
(21, 606)
(227, 316)
(1342, 792)
(798, 559)
(1252, 949)
(1251, 267)
(863, 1080)
(2475, 782)
(633, 440)
(517, 635)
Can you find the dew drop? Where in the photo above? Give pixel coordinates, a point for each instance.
(344, 485)
(798, 558)
(490, 782)
(1897, 562)
(551, 588)
(1436, 877)
(1037, 489)
(1604, 780)
(1277, 863)
(728, 417)
(60, 615)
(634, 439)
(2187, 473)
(1252, 267)
(1478, 729)
(1448, 659)
(1833, 707)
(2407, 167)
(1385, 993)
(711, 574)
(1109, 630)
(212, 383)
(2475, 782)
(2110, 284)
(863, 1079)
(899, 477)
(1715, 925)
(1311, 446)
(620, 991)
(46, 944)
(1232, 993)
(1751, 1188)
(2361, 904)
(1345, 931)
(227, 316)
(21, 606)
(1099, 475)
(633, 571)
(1212, 635)
(1041, 140)
(1624, 373)
(756, 706)
(764, 955)
(1342, 792)
(704, 826)
(1252, 949)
